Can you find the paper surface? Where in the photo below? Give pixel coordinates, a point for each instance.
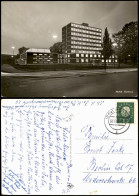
(71, 147)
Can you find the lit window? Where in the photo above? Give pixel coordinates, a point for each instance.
(115, 60)
(109, 61)
(40, 54)
(82, 60)
(82, 55)
(77, 55)
(86, 60)
(86, 55)
(34, 54)
(98, 55)
(95, 55)
(68, 55)
(90, 55)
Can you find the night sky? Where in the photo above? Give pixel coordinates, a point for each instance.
(32, 24)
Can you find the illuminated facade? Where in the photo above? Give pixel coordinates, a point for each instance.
(81, 43)
(38, 56)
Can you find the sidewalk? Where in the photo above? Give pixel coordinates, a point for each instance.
(72, 73)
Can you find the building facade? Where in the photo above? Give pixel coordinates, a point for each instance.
(81, 43)
(38, 56)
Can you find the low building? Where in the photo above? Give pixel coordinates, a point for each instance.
(38, 56)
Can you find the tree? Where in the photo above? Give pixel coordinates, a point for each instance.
(130, 36)
(22, 50)
(128, 39)
(106, 46)
(118, 48)
(56, 48)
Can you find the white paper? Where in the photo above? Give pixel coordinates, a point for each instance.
(69, 147)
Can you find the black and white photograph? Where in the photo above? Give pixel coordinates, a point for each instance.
(69, 49)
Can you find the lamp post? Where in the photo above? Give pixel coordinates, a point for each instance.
(54, 37)
(13, 50)
(114, 45)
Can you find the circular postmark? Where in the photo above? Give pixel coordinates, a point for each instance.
(111, 124)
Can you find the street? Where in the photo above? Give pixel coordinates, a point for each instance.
(90, 83)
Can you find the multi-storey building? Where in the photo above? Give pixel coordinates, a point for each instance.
(81, 43)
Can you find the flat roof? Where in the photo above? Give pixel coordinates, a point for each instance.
(83, 25)
(38, 50)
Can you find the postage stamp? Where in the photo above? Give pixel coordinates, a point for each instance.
(111, 124)
(125, 112)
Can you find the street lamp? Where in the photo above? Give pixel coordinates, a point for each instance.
(114, 45)
(13, 50)
(55, 37)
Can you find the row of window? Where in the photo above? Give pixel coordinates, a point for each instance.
(86, 60)
(80, 55)
(84, 51)
(83, 60)
(84, 47)
(40, 54)
(86, 40)
(84, 35)
(86, 55)
(85, 31)
(85, 27)
(109, 61)
(85, 43)
(39, 58)
(39, 61)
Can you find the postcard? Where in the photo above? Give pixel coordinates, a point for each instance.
(69, 146)
(69, 49)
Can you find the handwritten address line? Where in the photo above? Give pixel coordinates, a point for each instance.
(103, 153)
